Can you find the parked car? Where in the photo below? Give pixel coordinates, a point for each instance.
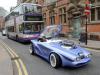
(59, 52)
(4, 32)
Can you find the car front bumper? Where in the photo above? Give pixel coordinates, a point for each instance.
(76, 63)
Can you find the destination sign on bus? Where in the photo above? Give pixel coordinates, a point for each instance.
(29, 18)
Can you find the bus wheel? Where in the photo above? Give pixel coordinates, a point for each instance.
(16, 37)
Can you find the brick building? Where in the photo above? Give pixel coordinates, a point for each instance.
(3, 12)
(55, 12)
(94, 24)
(1, 22)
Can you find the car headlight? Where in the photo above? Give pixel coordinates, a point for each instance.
(77, 59)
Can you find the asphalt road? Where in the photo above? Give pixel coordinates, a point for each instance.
(37, 66)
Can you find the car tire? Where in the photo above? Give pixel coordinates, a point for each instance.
(55, 60)
(31, 49)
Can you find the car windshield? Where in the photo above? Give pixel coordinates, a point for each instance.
(67, 43)
(51, 31)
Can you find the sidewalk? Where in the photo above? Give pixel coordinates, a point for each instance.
(5, 62)
(90, 44)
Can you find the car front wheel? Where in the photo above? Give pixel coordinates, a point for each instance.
(55, 60)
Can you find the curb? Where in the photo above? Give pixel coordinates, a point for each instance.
(75, 40)
(91, 47)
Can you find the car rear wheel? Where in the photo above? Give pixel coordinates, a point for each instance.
(55, 60)
(31, 49)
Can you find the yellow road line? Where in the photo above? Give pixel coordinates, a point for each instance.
(18, 66)
(8, 50)
(13, 56)
(23, 66)
(20, 61)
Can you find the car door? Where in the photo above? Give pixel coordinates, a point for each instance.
(44, 51)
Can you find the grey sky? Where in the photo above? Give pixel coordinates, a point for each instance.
(7, 4)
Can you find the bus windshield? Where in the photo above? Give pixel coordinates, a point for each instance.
(30, 28)
(32, 8)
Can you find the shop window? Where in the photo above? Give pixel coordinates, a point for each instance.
(52, 17)
(98, 13)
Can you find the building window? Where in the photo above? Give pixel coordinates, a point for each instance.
(62, 15)
(10, 29)
(98, 13)
(44, 17)
(92, 1)
(98, 0)
(21, 27)
(93, 14)
(52, 17)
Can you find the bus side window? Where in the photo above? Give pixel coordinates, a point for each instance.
(11, 29)
(21, 28)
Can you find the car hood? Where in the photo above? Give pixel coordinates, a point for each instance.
(74, 50)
